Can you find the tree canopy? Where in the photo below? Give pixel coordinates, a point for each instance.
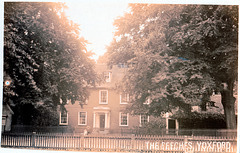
(45, 60)
(178, 55)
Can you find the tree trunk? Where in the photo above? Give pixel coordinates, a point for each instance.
(228, 102)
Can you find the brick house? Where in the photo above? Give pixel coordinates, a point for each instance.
(104, 110)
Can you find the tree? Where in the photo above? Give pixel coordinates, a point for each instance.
(206, 31)
(197, 120)
(170, 60)
(44, 58)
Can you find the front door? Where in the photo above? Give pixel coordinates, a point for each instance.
(171, 126)
(102, 122)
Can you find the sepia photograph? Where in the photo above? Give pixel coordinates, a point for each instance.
(119, 76)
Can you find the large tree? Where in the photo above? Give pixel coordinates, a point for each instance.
(45, 60)
(209, 34)
(177, 56)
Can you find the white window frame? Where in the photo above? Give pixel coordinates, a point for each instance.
(124, 102)
(107, 76)
(147, 102)
(120, 117)
(68, 101)
(140, 119)
(79, 118)
(86, 102)
(60, 119)
(100, 96)
(4, 120)
(122, 65)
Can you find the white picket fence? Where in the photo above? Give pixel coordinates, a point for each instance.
(130, 143)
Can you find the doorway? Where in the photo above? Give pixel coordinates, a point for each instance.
(171, 126)
(102, 122)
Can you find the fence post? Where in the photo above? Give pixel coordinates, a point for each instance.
(82, 142)
(133, 142)
(33, 139)
(185, 144)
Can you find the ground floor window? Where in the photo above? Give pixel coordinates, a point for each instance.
(144, 119)
(63, 117)
(123, 119)
(82, 118)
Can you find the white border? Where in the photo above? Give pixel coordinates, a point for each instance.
(219, 2)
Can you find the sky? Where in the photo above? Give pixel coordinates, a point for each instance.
(96, 18)
(96, 21)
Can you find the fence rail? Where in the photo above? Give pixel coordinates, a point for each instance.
(132, 143)
(126, 131)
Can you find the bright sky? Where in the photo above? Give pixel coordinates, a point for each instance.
(96, 21)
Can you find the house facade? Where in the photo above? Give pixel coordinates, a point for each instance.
(104, 110)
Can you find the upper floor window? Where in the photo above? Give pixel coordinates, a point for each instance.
(86, 101)
(123, 119)
(122, 65)
(147, 102)
(124, 98)
(68, 101)
(144, 119)
(82, 118)
(63, 118)
(103, 97)
(107, 76)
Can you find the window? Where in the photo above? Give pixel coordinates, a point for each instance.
(123, 119)
(147, 102)
(107, 76)
(82, 118)
(4, 120)
(122, 65)
(86, 101)
(63, 118)
(144, 119)
(103, 97)
(124, 98)
(68, 101)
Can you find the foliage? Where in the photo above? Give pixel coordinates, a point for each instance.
(44, 58)
(196, 120)
(154, 127)
(46, 116)
(40, 115)
(177, 54)
(202, 33)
